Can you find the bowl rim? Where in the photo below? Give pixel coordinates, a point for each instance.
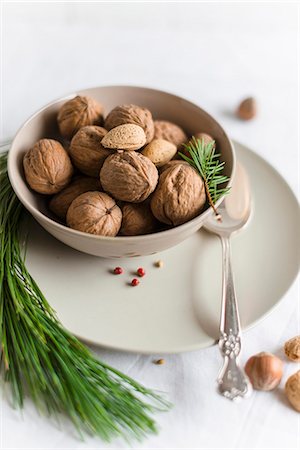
(39, 215)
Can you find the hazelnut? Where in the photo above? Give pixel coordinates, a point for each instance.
(170, 132)
(137, 219)
(47, 166)
(292, 349)
(125, 137)
(86, 150)
(133, 114)
(180, 195)
(60, 202)
(247, 109)
(128, 176)
(160, 151)
(264, 370)
(292, 390)
(78, 112)
(95, 213)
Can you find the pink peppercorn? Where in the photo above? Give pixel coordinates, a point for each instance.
(118, 270)
(135, 282)
(141, 272)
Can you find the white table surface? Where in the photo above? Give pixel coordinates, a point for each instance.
(214, 54)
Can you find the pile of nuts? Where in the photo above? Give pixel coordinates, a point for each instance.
(265, 372)
(115, 175)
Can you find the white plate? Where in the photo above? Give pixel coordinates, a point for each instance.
(176, 308)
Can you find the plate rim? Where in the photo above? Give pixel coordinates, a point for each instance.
(210, 341)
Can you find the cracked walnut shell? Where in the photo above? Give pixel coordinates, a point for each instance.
(95, 213)
(60, 202)
(133, 114)
(137, 219)
(170, 132)
(125, 137)
(180, 195)
(86, 150)
(77, 113)
(292, 349)
(47, 166)
(128, 176)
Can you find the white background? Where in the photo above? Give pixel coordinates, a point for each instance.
(214, 53)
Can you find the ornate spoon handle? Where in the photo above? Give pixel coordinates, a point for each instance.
(232, 381)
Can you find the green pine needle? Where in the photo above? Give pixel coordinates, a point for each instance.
(39, 358)
(204, 159)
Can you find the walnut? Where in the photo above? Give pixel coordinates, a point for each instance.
(204, 137)
(47, 166)
(180, 195)
(170, 132)
(137, 219)
(86, 150)
(79, 112)
(95, 213)
(128, 176)
(292, 390)
(131, 114)
(160, 151)
(125, 137)
(292, 349)
(172, 163)
(61, 201)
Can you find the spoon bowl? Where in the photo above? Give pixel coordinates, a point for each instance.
(236, 209)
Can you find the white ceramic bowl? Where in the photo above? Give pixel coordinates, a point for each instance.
(163, 106)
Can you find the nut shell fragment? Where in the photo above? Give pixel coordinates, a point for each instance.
(125, 137)
(47, 166)
(133, 114)
(86, 150)
(78, 112)
(60, 202)
(180, 195)
(128, 176)
(95, 213)
(137, 219)
(170, 132)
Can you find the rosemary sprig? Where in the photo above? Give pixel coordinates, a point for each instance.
(40, 358)
(205, 160)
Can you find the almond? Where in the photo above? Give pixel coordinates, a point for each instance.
(134, 114)
(125, 137)
(160, 151)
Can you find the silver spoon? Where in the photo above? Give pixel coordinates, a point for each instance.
(235, 212)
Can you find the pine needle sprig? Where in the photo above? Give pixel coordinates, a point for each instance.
(204, 159)
(41, 359)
